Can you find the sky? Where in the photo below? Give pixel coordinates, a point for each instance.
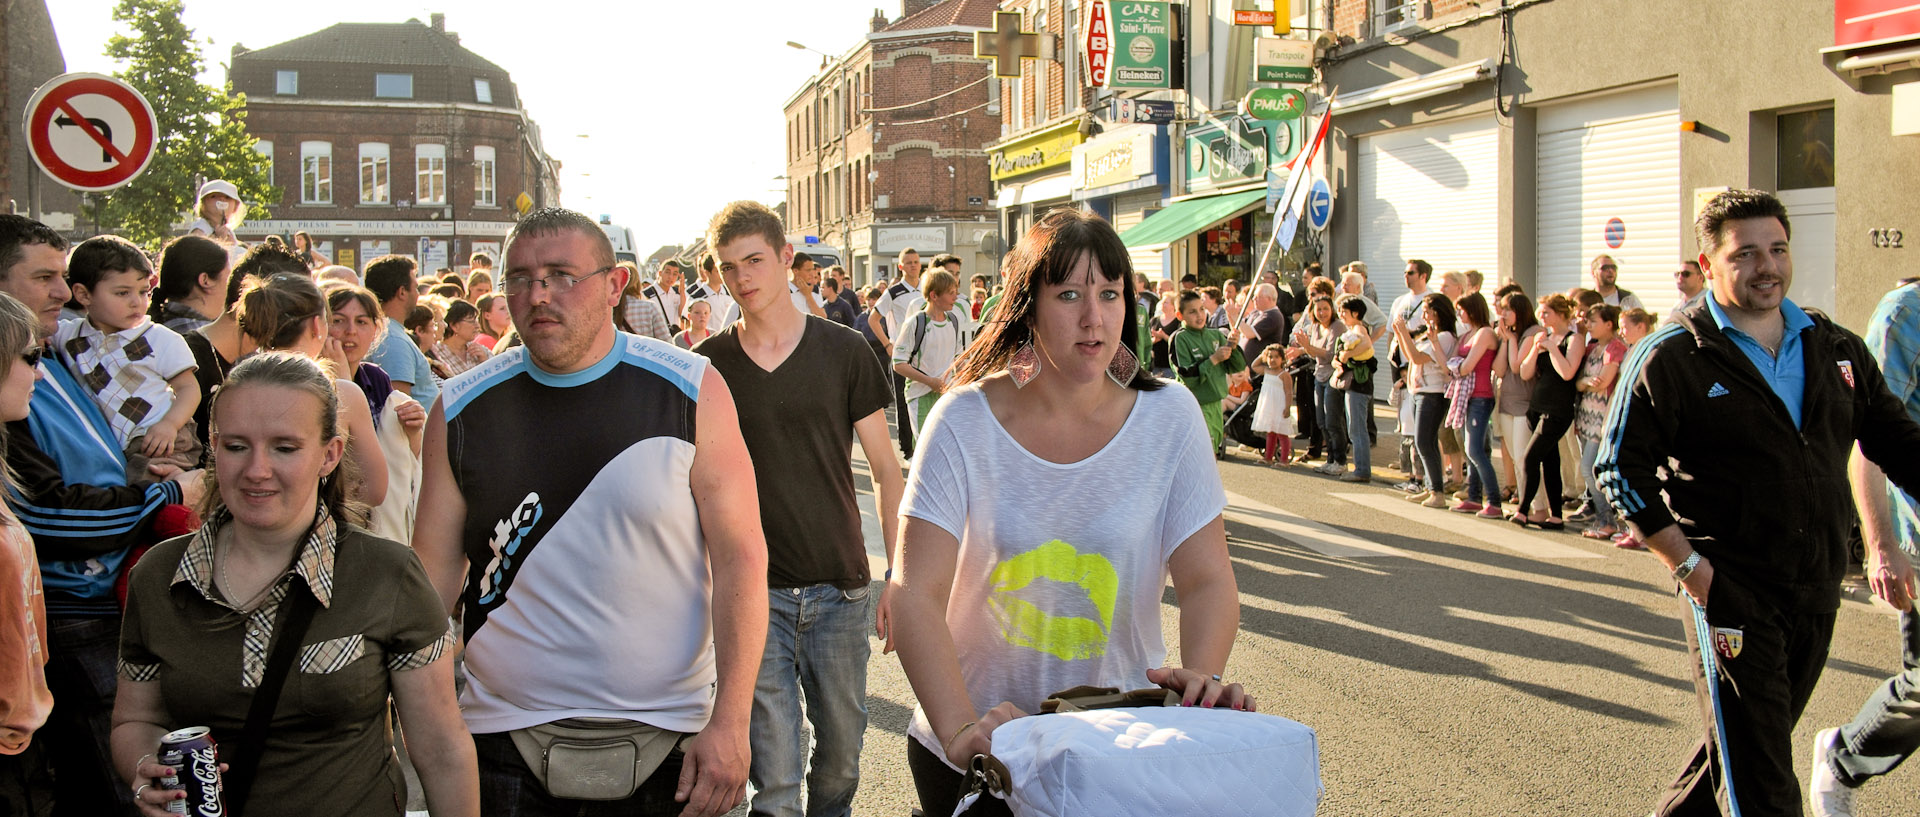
(660, 113)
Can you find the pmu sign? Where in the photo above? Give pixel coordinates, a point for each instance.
(1098, 44)
(90, 132)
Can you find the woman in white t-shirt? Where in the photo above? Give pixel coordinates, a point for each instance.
(1032, 553)
(1429, 376)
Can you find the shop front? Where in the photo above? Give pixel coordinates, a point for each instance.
(1122, 176)
(1032, 173)
(1217, 230)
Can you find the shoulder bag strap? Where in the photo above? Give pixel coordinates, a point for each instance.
(245, 761)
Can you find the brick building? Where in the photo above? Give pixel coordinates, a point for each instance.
(885, 143)
(30, 51)
(391, 137)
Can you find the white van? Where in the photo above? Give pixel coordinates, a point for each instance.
(622, 238)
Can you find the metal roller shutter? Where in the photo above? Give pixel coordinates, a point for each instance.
(1606, 158)
(1431, 193)
(1129, 209)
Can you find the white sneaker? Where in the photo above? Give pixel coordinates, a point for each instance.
(1827, 795)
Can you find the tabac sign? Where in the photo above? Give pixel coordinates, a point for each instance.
(1036, 151)
(1098, 44)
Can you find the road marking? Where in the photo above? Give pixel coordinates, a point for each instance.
(1471, 528)
(1304, 532)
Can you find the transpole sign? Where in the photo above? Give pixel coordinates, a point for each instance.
(1098, 43)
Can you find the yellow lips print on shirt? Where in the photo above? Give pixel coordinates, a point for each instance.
(1024, 624)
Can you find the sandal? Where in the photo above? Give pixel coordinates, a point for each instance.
(1552, 524)
(1602, 534)
(1520, 519)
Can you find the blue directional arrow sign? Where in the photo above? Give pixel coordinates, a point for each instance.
(1319, 205)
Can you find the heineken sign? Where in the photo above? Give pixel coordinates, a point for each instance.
(1142, 44)
(1274, 104)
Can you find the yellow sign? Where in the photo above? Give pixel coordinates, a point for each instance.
(522, 203)
(1038, 151)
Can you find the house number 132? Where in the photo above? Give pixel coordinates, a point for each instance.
(1885, 238)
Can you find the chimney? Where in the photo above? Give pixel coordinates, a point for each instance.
(239, 49)
(439, 22)
(908, 8)
(879, 21)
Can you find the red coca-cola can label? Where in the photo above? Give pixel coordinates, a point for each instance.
(196, 769)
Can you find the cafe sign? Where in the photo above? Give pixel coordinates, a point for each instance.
(1142, 45)
(1036, 151)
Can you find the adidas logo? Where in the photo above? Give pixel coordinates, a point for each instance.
(1718, 391)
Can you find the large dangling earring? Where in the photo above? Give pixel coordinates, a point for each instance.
(1024, 366)
(1123, 367)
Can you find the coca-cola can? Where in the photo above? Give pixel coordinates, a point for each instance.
(190, 752)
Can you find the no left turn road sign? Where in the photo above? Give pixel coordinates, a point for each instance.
(90, 132)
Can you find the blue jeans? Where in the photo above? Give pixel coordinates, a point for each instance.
(816, 655)
(82, 655)
(1602, 512)
(1483, 485)
(509, 789)
(1429, 410)
(1333, 419)
(1888, 726)
(1359, 411)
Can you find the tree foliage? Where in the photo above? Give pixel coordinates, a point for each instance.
(203, 131)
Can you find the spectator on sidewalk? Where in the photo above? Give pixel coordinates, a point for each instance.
(1551, 365)
(1355, 372)
(1599, 371)
(26, 785)
(1516, 329)
(1603, 271)
(1427, 355)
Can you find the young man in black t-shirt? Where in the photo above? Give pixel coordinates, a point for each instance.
(805, 388)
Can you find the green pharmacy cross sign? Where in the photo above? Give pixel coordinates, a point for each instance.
(1142, 44)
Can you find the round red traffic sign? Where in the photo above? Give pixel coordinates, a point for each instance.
(90, 132)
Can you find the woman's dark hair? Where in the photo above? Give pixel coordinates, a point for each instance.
(1353, 305)
(274, 310)
(340, 296)
(1332, 314)
(1608, 314)
(418, 318)
(182, 262)
(1047, 255)
(451, 292)
(1522, 306)
(295, 371)
(92, 259)
(457, 311)
(1444, 319)
(1473, 307)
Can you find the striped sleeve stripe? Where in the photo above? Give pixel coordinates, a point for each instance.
(61, 522)
(1611, 481)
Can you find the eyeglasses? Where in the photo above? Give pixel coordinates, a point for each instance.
(31, 357)
(558, 283)
(1609, 267)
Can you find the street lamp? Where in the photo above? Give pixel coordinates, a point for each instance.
(842, 125)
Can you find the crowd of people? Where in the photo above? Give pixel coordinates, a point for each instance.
(592, 544)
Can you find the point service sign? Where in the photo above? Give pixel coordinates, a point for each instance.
(90, 132)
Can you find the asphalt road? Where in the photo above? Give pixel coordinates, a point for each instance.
(1452, 665)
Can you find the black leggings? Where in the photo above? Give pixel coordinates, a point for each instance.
(939, 786)
(1543, 460)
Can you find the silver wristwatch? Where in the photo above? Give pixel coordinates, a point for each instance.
(1685, 569)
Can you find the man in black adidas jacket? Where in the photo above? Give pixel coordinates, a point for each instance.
(1726, 448)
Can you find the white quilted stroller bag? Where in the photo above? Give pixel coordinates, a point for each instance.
(1155, 760)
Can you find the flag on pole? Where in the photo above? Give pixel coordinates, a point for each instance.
(1298, 183)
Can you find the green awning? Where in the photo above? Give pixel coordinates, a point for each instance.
(1184, 218)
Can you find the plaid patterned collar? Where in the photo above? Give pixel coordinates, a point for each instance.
(314, 563)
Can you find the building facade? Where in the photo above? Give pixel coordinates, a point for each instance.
(1464, 136)
(30, 51)
(885, 145)
(392, 138)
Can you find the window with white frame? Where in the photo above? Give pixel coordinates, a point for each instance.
(430, 174)
(376, 173)
(483, 176)
(286, 83)
(483, 92)
(1392, 15)
(266, 149)
(316, 172)
(393, 86)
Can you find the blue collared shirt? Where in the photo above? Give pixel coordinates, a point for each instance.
(1786, 372)
(1893, 336)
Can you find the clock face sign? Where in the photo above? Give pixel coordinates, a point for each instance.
(90, 132)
